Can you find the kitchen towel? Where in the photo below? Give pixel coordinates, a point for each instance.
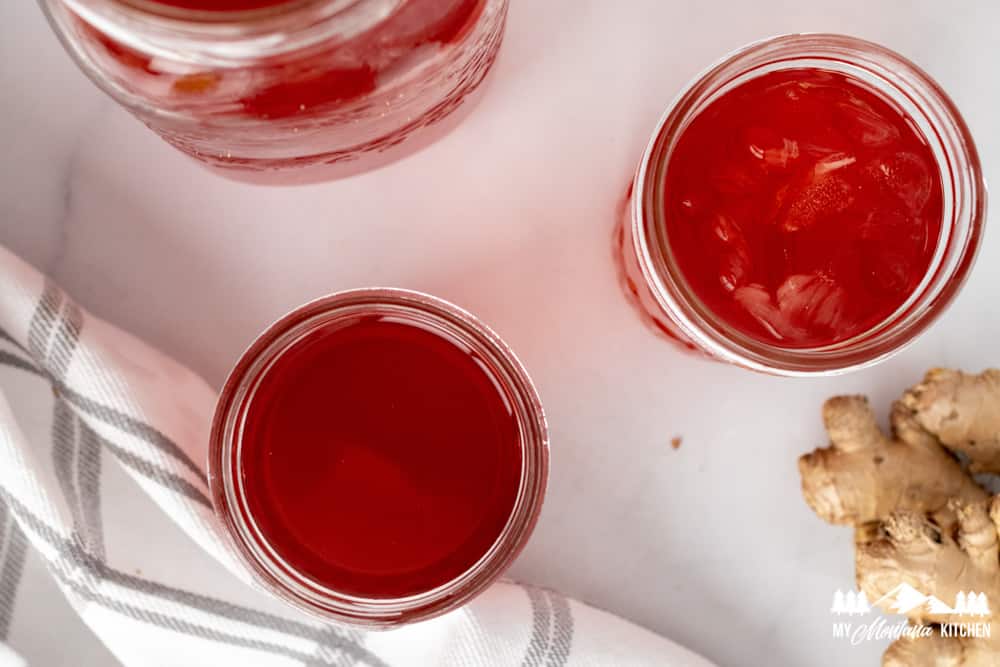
(102, 448)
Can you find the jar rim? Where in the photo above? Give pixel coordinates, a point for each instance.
(228, 37)
(959, 166)
(154, 8)
(224, 460)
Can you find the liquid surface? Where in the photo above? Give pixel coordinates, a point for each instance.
(802, 207)
(380, 459)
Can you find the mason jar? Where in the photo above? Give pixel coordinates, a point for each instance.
(259, 86)
(391, 514)
(649, 258)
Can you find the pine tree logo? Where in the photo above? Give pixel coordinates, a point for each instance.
(852, 604)
(971, 604)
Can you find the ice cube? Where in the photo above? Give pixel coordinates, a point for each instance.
(864, 125)
(903, 174)
(820, 148)
(734, 253)
(804, 302)
(734, 269)
(821, 194)
(783, 155)
(758, 139)
(770, 148)
(725, 229)
(887, 270)
(833, 162)
(809, 300)
(893, 227)
(757, 301)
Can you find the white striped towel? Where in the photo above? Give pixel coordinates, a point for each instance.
(102, 443)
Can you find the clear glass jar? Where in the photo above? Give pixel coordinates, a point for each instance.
(225, 461)
(331, 84)
(650, 272)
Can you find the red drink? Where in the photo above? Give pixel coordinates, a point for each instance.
(348, 71)
(258, 86)
(354, 69)
(378, 456)
(808, 205)
(802, 207)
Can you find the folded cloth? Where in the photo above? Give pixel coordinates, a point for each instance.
(8, 658)
(102, 448)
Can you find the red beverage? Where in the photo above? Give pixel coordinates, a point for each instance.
(354, 69)
(808, 205)
(802, 207)
(259, 86)
(349, 70)
(379, 457)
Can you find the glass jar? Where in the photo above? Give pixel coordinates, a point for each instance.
(230, 432)
(328, 84)
(650, 271)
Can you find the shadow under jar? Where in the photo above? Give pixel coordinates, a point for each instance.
(257, 86)
(378, 457)
(808, 205)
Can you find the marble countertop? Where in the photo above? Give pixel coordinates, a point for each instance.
(510, 216)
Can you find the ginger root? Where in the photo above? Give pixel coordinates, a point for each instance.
(963, 412)
(919, 516)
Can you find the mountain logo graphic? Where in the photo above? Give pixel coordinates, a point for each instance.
(905, 599)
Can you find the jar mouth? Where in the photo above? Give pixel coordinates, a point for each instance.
(938, 120)
(225, 459)
(155, 10)
(226, 37)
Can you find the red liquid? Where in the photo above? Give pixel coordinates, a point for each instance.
(345, 72)
(802, 207)
(380, 459)
(352, 70)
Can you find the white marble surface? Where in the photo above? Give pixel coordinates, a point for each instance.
(511, 216)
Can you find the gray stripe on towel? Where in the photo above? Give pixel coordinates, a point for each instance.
(541, 620)
(146, 468)
(562, 633)
(65, 340)
(72, 557)
(15, 551)
(40, 326)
